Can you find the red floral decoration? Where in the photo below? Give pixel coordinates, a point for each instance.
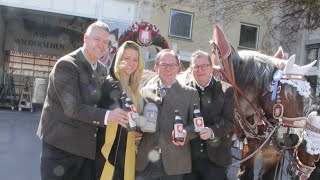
(133, 34)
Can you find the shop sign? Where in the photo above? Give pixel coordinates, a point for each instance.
(41, 39)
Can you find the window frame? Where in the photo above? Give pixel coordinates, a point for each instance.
(310, 47)
(191, 24)
(257, 36)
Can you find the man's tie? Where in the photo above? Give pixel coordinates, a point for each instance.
(163, 92)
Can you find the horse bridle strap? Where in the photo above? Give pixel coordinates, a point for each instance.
(312, 128)
(239, 91)
(243, 123)
(229, 75)
(298, 122)
(294, 76)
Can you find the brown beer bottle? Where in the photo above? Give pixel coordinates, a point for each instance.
(197, 119)
(126, 102)
(178, 127)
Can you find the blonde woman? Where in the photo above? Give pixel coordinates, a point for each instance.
(118, 143)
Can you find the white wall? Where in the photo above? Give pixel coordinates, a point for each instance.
(85, 8)
(120, 10)
(97, 9)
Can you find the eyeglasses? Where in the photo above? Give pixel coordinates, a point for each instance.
(165, 66)
(202, 67)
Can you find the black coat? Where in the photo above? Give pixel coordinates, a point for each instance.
(70, 116)
(217, 108)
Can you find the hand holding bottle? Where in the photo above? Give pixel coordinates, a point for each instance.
(197, 119)
(130, 109)
(206, 133)
(179, 134)
(181, 141)
(118, 116)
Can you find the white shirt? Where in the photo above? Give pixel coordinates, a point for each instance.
(202, 88)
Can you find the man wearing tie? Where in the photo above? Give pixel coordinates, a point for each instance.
(173, 158)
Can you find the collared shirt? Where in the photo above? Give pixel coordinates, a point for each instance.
(162, 86)
(163, 90)
(93, 66)
(202, 88)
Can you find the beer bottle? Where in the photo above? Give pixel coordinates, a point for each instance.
(150, 114)
(127, 102)
(178, 127)
(197, 119)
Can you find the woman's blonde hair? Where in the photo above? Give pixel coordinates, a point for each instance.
(130, 85)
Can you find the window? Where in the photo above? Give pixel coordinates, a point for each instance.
(180, 24)
(313, 53)
(249, 37)
(25, 65)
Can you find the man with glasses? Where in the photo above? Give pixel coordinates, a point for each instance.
(159, 156)
(211, 150)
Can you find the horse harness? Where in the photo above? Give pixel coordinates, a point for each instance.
(282, 125)
(298, 169)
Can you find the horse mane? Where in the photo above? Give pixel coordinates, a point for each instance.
(310, 104)
(253, 69)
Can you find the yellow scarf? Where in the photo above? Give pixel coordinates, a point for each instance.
(111, 131)
(130, 160)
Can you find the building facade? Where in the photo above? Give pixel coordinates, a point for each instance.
(35, 33)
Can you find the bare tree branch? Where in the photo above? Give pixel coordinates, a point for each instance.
(293, 16)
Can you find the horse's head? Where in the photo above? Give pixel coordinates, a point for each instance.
(283, 101)
(277, 96)
(254, 74)
(281, 92)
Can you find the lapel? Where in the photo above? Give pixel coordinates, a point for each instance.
(152, 91)
(84, 62)
(176, 98)
(213, 83)
(173, 91)
(212, 87)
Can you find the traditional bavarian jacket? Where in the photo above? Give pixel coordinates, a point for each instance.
(217, 108)
(70, 116)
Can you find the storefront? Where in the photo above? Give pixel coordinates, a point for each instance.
(33, 42)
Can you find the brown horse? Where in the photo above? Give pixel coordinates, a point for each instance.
(268, 128)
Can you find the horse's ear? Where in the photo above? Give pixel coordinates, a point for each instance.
(292, 68)
(279, 54)
(220, 39)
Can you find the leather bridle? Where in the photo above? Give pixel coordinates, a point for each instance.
(280, 125)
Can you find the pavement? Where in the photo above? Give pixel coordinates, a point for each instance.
(20, 148)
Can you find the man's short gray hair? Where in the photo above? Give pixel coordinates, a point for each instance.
(98, 24)
(200, 53)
